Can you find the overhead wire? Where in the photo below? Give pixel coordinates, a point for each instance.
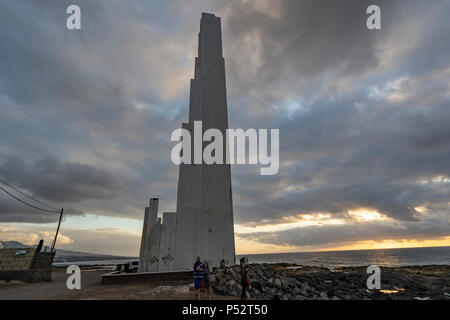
(26, 203)
(28, 196)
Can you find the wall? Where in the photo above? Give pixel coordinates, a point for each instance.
(9, 261)
(32, 266)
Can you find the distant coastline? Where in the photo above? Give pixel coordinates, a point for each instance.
(395, 257)
(330, 259)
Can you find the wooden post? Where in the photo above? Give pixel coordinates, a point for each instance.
(57, 230)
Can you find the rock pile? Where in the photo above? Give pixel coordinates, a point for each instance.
(288, 282)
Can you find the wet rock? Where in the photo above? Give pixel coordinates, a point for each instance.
(213, 280)
(323, 295)
(257, 285)
(221, 290)
(277, 283)
(269, 273)
(291, 282)
(270, 281)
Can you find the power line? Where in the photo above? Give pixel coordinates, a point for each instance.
(29, 197)
(30, 205)
(35, 207)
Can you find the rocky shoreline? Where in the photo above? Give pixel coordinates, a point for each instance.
(296, 282)
(271, 281)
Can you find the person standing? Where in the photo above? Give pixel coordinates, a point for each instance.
(245, 280)
(198, 276)
(207, 278)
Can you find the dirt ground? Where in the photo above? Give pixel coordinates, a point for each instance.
(92, 289)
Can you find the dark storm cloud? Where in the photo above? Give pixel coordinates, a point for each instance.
(358, 127)
(291, 43)
(291, 48)
(93, 103)
(373, 158)
(363, 115)
(11, 211)
(56, 183)
(61, 182)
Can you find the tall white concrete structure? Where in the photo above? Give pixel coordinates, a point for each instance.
(204, 216)
(204, 204)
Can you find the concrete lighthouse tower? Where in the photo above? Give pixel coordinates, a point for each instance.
(203, 222)
(204, 204)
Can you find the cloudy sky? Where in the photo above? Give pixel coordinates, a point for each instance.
(86, 119)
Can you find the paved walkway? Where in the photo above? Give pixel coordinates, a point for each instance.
(92, 289)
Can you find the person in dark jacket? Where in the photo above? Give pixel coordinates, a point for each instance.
(245, 280)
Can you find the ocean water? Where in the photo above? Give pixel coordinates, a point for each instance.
(381, 257)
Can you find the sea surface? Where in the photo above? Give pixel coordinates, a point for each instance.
(381, 257)
(329, 259)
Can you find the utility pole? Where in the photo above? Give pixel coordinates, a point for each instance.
(57, 230)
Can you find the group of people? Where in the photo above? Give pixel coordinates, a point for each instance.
(202, 277)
